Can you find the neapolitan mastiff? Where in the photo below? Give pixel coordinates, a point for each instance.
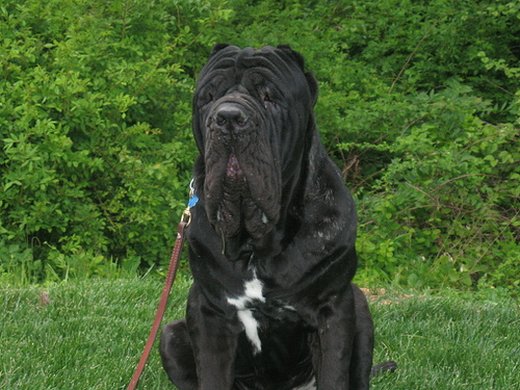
(271, 240)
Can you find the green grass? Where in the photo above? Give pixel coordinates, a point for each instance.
(449, 342)
(89, 335)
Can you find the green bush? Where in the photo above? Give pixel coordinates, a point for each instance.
(95, 118)
(419, 106)
(443, 203)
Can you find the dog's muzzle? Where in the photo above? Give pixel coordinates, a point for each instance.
(242, 183)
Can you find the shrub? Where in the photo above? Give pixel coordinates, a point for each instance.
(95, 120)
(419, 106)
(446, 202)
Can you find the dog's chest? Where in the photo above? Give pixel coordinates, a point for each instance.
(252, 304)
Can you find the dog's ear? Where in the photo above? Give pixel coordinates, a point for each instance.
(298, 58)
(293, 54)
(313, 86)
(218, 47)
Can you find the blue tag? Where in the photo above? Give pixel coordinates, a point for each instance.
(193, 201)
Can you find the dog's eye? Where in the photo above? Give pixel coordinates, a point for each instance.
(205, 98)
(267, 99)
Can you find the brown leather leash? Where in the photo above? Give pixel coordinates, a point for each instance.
(170, 277)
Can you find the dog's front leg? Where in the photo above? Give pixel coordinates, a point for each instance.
(214, 341)
(332, 349)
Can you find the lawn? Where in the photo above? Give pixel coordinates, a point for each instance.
(89, 335)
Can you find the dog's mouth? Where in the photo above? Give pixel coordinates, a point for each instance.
(233, 169)
(235, 191)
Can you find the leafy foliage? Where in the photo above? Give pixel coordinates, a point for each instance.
(95, 120)
(419, 105)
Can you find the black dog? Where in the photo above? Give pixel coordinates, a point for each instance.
(271, 239)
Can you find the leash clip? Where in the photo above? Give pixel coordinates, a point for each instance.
(193, 200)
(186, 216)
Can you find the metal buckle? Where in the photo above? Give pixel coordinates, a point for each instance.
(186, 214)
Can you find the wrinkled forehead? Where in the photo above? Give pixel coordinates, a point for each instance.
(236, 66)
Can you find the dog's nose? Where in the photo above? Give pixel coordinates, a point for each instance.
(230, 116)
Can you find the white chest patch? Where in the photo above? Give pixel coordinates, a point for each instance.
(309, 386)
(252, 292)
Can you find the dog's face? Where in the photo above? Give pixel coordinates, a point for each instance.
(252, 115)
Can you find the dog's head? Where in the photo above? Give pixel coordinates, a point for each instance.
(252, 121)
